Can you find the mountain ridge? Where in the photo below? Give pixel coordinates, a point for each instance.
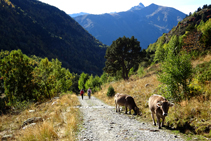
(108, 27)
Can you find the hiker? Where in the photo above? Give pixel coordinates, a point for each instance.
(82, 93)
(89, 91)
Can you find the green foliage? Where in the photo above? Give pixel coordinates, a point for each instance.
(27, 79)
(205, 28)
(62, 75)
(94, 83)
(131, 72)
(203, 72)
(122, 55)
(104, 78)
(89, 83)
(110, 92)
(174, 44)
(160, 50)
(16, 70)
(140, 71)
(43, 77)
(176, 75)
(74, 87)
(82, 80)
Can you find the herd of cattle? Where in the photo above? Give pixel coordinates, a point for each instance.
(158, 105)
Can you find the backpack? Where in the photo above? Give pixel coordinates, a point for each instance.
(82, 91)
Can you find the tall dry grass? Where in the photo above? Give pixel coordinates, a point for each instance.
(61, 121)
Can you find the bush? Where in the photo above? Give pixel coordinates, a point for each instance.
(176, 75)
(140, 71)
(203, 72)
(111, 91)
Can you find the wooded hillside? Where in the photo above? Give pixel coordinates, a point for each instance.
(45, 31)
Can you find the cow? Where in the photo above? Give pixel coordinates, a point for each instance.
(127, 101)
(159, 106)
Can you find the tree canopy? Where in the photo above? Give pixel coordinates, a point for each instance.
(122, 55)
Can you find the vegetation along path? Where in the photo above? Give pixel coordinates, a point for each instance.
(102, 123)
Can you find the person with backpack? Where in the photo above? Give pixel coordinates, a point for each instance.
(82, 93)
(89, 91)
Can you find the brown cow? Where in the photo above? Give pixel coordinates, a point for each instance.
(127, 101)
(159, 106)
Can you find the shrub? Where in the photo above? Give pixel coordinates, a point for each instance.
(203, 72)
(111, 91)
(140, 71)
(176, 75)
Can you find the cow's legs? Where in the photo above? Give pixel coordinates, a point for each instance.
(125, 109)
(152, 114)
(116, 106)
(119, 108)
(129, 109)
(163, 119)
(158, 122)
(135, 110)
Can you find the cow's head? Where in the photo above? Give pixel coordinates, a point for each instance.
(164, 106)
(137, 111)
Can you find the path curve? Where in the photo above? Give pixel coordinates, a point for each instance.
(102, 123)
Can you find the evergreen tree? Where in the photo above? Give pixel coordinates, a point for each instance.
(122, 55)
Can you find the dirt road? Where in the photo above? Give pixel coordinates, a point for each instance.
(102, 123)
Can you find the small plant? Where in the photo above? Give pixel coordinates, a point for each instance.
(203, 72)
(140, 71)
(111, 91)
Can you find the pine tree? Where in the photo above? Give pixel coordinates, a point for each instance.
(122, 55)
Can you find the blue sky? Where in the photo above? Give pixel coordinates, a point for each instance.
(108, 6)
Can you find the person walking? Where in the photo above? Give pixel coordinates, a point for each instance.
(89, 91)
(82, 93)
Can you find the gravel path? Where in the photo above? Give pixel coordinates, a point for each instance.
(102, 123)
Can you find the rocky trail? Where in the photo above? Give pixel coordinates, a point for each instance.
(102, 123)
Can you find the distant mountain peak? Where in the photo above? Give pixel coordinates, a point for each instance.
(78, 14)
(138, 7)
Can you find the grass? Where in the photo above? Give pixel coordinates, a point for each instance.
(61, 121)
(190, 117)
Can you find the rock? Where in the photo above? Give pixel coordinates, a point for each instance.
(32, 120)
(31, 111)
(146, 85)
(55, 98)
(5, 137)
(32, 124)
(54, 103)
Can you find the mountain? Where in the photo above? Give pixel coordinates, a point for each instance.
(138, 7)
(45, 31)
(78, 14)
(144, 23)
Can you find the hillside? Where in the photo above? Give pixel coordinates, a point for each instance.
(45, 31)
(144, 23)
(189, 30)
